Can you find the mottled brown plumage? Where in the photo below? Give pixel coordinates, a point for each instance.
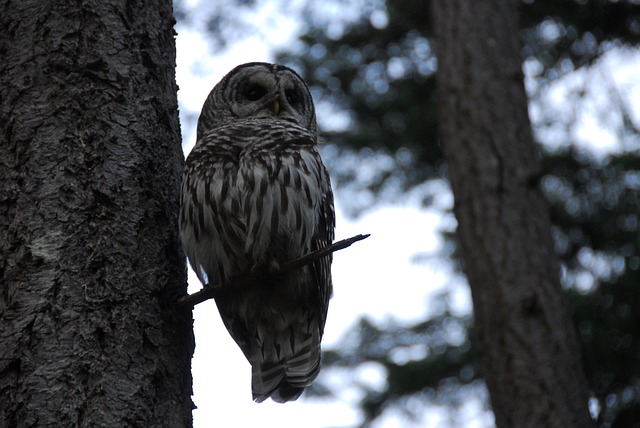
(255, 193)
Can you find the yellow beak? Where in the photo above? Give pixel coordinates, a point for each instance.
(276, 107)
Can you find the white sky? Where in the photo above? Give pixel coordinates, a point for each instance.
(374, 277)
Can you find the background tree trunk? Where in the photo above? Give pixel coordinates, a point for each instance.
(526, 338)
(90, 260)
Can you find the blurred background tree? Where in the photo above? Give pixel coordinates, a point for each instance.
(375, 75)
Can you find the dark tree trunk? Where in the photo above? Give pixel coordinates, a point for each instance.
(530, 354)
(90, 260)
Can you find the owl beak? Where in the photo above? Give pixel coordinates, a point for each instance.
(276, 106)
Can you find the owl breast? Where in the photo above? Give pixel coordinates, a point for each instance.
(258, 200)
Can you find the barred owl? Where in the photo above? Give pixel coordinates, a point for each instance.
(255, 194)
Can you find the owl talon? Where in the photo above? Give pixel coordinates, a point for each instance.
(273, 266)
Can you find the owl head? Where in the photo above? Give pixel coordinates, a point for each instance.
(258, 90)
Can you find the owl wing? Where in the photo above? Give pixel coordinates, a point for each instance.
(323, 236)
(299, 366)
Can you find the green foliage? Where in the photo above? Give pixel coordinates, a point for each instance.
(572, 33)
(444, 344)
(381, 75)
(595, 211)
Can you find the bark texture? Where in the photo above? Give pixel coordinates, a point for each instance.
(90, 260)
(527, 342)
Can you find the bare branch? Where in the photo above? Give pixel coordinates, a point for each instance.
(209, 292)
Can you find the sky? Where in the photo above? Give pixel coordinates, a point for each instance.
(377, 277)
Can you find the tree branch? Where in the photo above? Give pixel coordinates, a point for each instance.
(209, 291)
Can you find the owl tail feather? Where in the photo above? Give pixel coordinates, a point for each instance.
(284, 373)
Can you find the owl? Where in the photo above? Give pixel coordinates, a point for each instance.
(255, 194)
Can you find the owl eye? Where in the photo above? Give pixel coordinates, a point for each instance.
(292, 96)
(254, 92)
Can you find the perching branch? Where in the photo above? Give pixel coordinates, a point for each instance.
(209, 291)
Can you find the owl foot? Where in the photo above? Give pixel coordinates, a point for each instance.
(270, 267)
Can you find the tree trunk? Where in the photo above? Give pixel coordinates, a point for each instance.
(90, 260)
(529, 350)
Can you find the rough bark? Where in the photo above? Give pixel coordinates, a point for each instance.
(530, 354)
(90, 260)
